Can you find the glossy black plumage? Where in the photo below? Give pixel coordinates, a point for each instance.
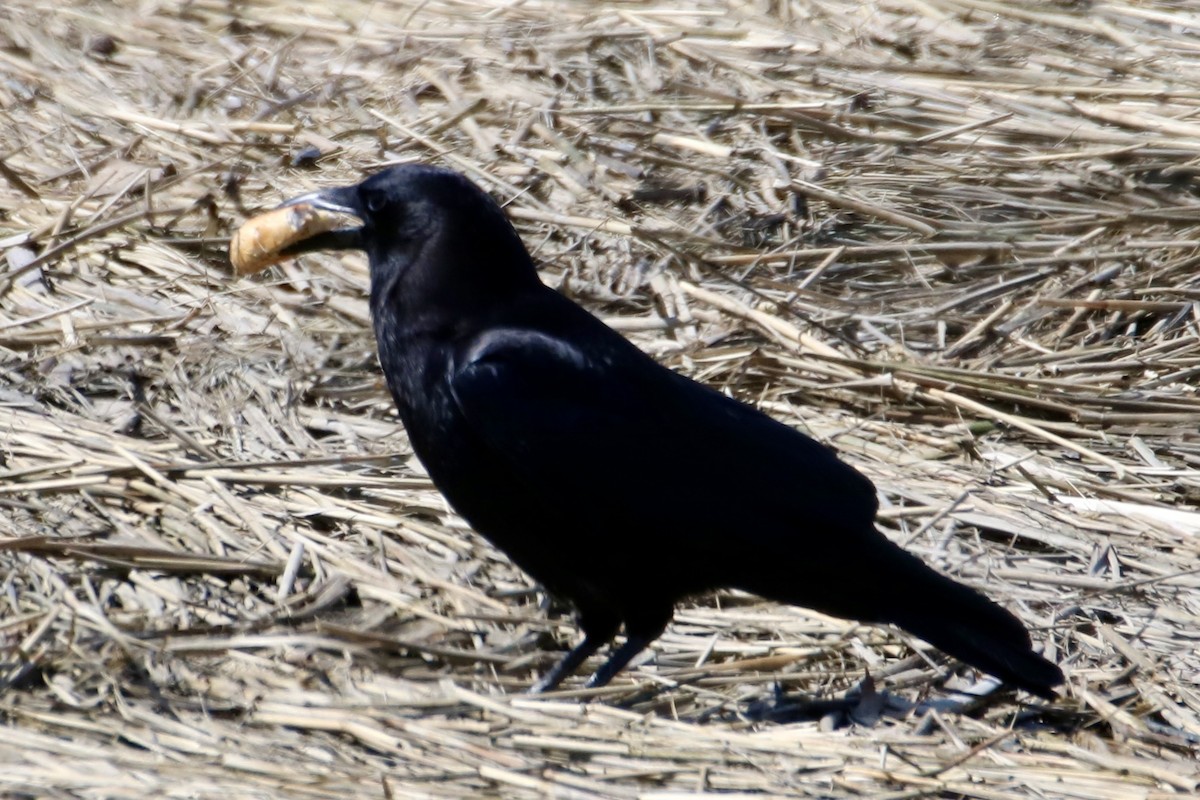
(618, 484)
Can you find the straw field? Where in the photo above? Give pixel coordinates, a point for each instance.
(957, 240)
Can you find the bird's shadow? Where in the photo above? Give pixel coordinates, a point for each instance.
(864, 706)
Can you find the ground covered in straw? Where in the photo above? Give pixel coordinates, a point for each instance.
(955, 239)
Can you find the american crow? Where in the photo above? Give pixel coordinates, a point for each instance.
(615, 482)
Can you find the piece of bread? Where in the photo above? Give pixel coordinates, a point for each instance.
(260, 241)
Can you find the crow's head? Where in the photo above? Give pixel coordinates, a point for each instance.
(427, 231)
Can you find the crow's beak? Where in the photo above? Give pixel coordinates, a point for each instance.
(342, 200)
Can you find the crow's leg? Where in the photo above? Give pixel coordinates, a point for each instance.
(617, 661)
(597, 630)
(641, 629)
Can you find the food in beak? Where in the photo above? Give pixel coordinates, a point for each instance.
(262, 239)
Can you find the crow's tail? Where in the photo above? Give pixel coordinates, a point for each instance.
(883, 583)
(963, 623)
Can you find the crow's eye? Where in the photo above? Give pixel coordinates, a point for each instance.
(376, 202)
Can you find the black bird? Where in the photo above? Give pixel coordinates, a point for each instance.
(615, 482)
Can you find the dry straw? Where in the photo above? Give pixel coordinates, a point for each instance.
(957, 239)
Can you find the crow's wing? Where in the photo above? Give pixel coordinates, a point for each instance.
(612, 434)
